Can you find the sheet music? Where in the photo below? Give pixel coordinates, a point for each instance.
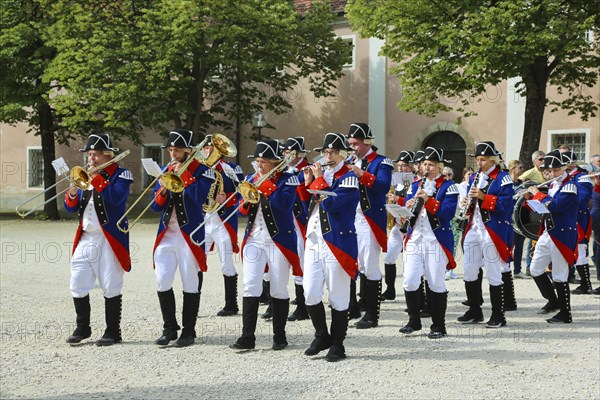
(537, 207)
(151, 167)
(60, 166)
(322, 192)
(397, 211)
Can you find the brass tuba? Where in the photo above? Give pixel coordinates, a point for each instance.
(222, 147)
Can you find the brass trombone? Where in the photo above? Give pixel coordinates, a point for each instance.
(172, 180)
(78, 177)
(249, 191)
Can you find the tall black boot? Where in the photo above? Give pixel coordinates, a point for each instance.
(112, 314)
(249, 317)
(265, 296)
(497, 319)
(353, 309)
(564, 299)
(510, 302)
(362, 293)
(82, 319)
(322, 340)
(373, 298)
(425, 300)
(189, 315)
(231, 304)
(300, 313)
(390, 281)
(281, 308)
(480, 280)
(413, 304)
(439, 303)
(339, 327)
(167, 308)
(474, 313)
(547, 290)
(585, 285)
(571, 278)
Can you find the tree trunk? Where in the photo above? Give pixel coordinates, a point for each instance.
(49, 153)
(535, 104)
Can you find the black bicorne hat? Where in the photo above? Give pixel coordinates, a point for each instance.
(208, 139)
(555, 159)
(181, 138)
(335, 141)
(295, 143)
(419, 155)
(99, 141)
(486, 149)
(406, 156)
(569, 156)
(360, 130)
(435, 155)
(267, 148)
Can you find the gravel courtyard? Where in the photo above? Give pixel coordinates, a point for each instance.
(527, 359)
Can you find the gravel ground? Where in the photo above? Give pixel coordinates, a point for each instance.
(527, 359)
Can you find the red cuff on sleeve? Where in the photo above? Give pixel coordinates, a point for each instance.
(232, 202)
(401, 201)
(432, 206)
(187, 178)
(159, 199)
(303, 193)
(367, 179)
(244, 207)
(539, 196)
(267, 188)
(489, 202)
(100, 183)
(71, 202)
(319, 184)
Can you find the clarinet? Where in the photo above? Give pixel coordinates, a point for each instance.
(415, 210)
(466, 210)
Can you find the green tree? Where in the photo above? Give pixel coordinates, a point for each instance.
(455, 48)
(128, 64)
(24, 57)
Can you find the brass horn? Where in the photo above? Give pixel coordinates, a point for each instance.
(78, 176)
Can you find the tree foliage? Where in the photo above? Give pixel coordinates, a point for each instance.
(124, 64)
(456, 48)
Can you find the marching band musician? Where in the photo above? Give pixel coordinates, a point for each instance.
(331, 245)
(429, 243)
(488, 237)
(224, 234)
(374, 173)
(173, 248)
(558, 240)
(300, 219)
(100, 249)
(585, 187)
(404, 163)
(268, 242)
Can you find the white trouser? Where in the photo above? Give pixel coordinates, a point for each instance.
(171, 252)
(480, 252)
(426, 258)
(394, 245)
(322, 268)
(215, 232)
(545, 253)
(368, 249)
(257, 254)
(93, 258)
(582, 257)
(300, 246)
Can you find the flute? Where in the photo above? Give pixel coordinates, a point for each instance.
(327, 164)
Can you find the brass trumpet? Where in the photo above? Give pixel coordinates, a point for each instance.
(78, 177)
(249, 191)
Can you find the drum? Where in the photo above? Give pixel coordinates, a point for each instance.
(526, 222)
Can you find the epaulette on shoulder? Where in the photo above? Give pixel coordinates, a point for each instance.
(349, 182)
(292, 181)
(506, 181)
(126, 175)
(569, 188)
